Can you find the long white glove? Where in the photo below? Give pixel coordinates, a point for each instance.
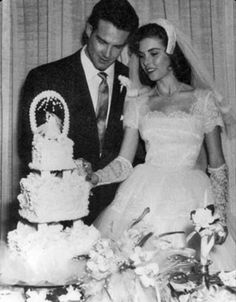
(116, 171)
(220, 182)
(220, 188)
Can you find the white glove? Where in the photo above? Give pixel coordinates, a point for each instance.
(220, 183)
(118, 170)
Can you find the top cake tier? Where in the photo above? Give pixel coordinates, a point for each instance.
(52, 150)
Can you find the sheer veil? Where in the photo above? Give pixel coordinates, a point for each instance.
(200, 79)
(200, 76)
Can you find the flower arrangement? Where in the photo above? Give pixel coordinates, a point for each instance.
(208, 226)
(140, 262)
(144, 266)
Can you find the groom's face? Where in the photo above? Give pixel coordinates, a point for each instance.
(105, 44)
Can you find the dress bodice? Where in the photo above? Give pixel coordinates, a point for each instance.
(173, 140)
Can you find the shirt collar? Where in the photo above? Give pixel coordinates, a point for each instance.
(89, 68)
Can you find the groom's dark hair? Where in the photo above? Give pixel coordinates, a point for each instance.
(118, 12)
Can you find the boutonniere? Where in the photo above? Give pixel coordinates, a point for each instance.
(124, 82)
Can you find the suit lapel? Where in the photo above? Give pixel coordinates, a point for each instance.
(83, 106)
(83, 109)
(116, 106)
(85, 100)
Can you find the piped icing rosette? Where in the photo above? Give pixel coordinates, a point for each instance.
(51, 148)
(48, 253)
(47, 198)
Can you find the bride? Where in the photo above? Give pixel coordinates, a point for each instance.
(174, 106)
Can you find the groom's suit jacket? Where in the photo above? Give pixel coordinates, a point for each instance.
(67, 77)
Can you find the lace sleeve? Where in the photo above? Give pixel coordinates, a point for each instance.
(131, 112)
(212, 115)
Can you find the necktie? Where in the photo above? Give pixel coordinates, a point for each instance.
(102, 107)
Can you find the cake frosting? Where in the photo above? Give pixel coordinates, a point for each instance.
(11, 295)
(56, 189)
(50, 197)
(48, 252)
(40, 250)
(51, 147)
(52, 154)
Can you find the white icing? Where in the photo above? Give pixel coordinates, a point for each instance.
(37, 296)
(11, 295)
(52, 149)
(51, 198)
(71, 295)
(47, 252)
(52, 154)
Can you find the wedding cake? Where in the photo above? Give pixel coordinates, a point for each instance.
(56, 189)
(42, 250)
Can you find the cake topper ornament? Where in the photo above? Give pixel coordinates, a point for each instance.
(52, 149)
(50, 128)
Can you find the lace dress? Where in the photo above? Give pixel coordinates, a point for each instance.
(168, 182)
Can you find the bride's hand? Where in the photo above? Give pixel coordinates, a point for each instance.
(93, 178)
(84, 167)
(221, 234)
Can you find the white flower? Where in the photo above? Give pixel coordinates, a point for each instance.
(228, 278)
(124, 81)
(147, 273)
(140, 256)
(204, 218)
(102, 259)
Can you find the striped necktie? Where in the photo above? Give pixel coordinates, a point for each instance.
(102, 107)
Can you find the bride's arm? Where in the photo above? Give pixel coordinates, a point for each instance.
(121, 167)
(129, 143)
(219, 177)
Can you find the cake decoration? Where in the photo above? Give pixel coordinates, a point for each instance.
(41, 250)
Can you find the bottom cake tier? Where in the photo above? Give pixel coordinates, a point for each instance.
(46, 254)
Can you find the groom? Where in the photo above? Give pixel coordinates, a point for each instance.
(97, 136)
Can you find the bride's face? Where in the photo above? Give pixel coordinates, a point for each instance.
(153, 58)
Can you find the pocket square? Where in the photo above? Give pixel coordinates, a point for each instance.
(121, 117)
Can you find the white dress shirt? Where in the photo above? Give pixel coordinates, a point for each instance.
(93, 79)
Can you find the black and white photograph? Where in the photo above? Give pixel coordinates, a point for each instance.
(118, 151)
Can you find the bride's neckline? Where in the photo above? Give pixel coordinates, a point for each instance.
(169, 95)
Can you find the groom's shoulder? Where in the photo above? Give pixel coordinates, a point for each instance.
(58, 66)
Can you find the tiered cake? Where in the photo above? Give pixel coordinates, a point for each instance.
(55, 190)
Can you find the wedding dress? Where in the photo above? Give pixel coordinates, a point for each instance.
(168, 183)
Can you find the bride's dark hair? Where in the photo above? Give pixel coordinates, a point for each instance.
(179, 63)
